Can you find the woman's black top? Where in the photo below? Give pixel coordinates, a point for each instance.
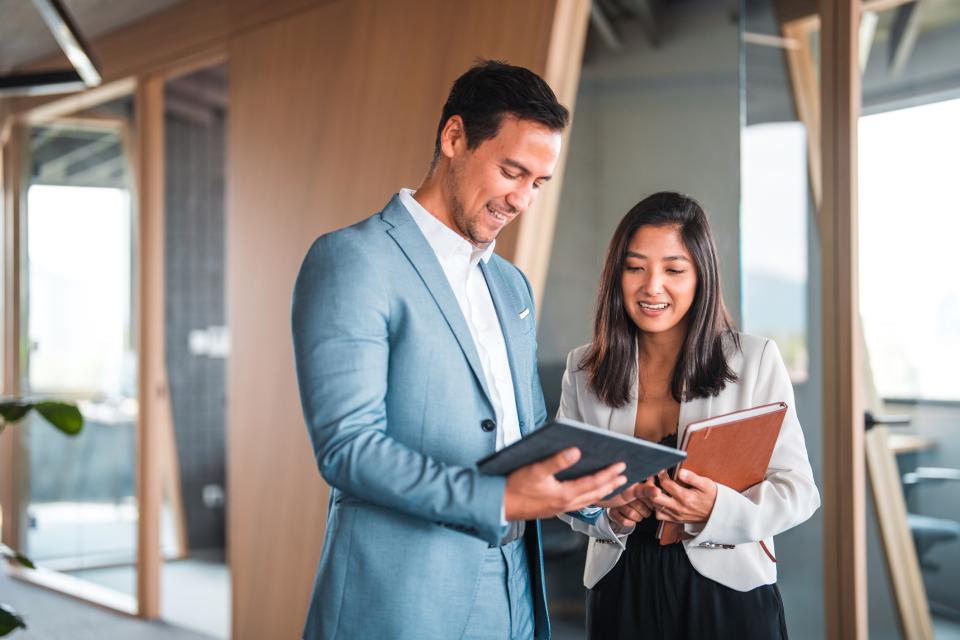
(654, 592)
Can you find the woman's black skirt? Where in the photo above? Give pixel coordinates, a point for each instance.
(654, 592)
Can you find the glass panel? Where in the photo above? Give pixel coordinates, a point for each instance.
(197, 345)
(908, 232)
(780, 267)
(909, 136)
(774, 219)
(80, 499)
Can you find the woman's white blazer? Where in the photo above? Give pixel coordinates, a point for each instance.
(726, 548)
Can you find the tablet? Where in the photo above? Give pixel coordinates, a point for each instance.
(599, 448)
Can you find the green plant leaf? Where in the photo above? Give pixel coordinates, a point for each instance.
(13, 410)
(10, 620)
(16, 556)
(63, 415)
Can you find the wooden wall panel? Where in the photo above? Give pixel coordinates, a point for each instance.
(332, 111)
(844, 504)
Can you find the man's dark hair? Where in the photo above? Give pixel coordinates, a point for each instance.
(702, 368)
(491, 89)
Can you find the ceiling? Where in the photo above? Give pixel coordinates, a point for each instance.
(24, 36)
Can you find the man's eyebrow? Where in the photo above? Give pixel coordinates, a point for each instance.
(522, 169)
(634, 254)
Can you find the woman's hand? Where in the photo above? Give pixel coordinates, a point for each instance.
(675, 502)
(626, 496)
(628, 514)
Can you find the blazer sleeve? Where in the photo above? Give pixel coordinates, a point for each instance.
(592, 521)
(788, 494)
(341, 341)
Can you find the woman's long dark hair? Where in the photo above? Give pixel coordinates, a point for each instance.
(702, 369)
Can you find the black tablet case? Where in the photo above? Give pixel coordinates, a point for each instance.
(599, 448)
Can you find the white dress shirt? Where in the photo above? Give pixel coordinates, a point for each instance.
(460, 260)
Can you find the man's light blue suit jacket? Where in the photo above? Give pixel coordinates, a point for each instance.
(394, 396)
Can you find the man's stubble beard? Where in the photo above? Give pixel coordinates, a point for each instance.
(459, 213)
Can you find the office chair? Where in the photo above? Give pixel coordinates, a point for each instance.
(927, 531)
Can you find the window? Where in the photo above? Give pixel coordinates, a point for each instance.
(773, 234)
(909, 255)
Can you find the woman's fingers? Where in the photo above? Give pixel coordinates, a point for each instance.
(682, 494)
(695, 480)
(633, 513)
(620, 519)
(668, 515)
(622, 498)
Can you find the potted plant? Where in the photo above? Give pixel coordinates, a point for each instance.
(66, 417)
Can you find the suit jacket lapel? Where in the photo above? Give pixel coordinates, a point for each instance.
(624, 419)
(506, 305)
(407, 235)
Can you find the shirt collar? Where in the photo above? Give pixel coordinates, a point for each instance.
(445, 242)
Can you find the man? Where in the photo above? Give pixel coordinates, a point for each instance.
(416, 356)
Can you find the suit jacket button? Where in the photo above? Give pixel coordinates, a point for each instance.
(488, 425)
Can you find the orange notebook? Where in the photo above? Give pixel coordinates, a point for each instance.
(733, 450)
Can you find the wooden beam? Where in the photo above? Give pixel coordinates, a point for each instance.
(11, 165)
(903, 36)
(534, 238)
(801, 69)
(844, 510)
(51, 109)
(152, 386)
(796, 10)
(868, 29)
(790, 10)
(903, 567)
(879, 6)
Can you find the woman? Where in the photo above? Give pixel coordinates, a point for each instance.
(665, 354)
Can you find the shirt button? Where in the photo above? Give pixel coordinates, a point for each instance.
(488, 425)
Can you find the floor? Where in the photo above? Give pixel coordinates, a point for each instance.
(195, 593)
(51, 616)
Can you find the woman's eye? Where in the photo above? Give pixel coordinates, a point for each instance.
(675, 272)
(508, 175)
(633, 269)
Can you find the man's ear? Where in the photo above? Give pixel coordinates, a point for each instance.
(453, 137)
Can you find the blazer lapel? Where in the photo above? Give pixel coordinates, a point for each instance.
(407, 235)
(624, 419)
(505, 304)
(692, 411)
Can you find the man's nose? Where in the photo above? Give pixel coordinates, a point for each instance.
(520, 198)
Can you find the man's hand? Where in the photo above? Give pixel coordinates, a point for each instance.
(533, 491)
(629, 513)
(674, 502)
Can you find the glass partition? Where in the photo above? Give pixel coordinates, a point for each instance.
(79, 343)
(909, 136)
(780, 270)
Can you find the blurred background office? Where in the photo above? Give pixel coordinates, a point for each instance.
(161, 185)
